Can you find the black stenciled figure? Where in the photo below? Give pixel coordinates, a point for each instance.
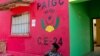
(53, 51)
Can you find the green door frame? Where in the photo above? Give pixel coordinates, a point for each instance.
(91, 35)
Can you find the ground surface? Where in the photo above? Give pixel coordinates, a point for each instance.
(95, 53)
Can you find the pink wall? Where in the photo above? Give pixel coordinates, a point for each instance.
(4, 1)
(13, 44)
(43, 12)
(5, 17)
(39, 40)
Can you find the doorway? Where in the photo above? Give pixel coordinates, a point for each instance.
(96, 34)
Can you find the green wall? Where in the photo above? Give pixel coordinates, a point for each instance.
(79, 30)
(94, 9)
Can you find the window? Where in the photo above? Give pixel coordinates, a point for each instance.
(20, 25)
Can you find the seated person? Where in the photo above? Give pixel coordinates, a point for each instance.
(54, 50)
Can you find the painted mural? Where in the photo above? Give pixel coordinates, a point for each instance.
(49, 27)
(52, 25)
